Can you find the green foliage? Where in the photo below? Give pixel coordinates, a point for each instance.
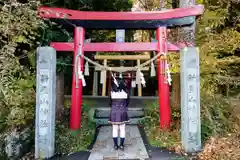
(89, 112)
(54, 33)
(218, 40)
(68, 141)
(111, 5)
(217, 117)
(18, 39)
(61, 64)
(156, 136)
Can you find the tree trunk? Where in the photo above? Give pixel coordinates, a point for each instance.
(187, 34)
(59, 96)
(176, 90)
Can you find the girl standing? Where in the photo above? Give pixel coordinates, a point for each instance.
(119, 100)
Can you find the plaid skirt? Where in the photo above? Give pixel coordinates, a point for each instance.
(119, 112)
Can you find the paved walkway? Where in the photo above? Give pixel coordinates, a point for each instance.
(134, 146)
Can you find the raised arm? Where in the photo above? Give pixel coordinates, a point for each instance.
(128, 84)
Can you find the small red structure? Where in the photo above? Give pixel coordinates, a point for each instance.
(159, 21)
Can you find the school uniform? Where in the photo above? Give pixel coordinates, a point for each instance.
(119, 101)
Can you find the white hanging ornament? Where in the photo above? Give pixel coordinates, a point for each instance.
(86, 70)
(129, 75)
(153, 71)
(83, 79)
(142, 79)
(81, 76)
(103, 76)
(120, 75)
(138, 77)
(133, 84)
(114, 80)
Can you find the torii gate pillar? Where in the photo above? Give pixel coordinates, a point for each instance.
(76, 106)
(163, 86)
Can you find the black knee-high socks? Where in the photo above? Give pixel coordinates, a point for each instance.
(115, 141)
(122, 141)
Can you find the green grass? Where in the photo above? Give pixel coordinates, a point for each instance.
(68, 141)
(156, 136)
(217, 115)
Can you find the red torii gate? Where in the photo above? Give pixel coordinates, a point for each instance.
(158, 20)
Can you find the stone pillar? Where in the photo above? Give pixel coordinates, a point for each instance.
(45, 102)
(190, 100)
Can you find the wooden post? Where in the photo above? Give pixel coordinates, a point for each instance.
(59, 96)
(123, 57)
(104, 85)
(139, 85)
(133, 89)
(95, 83)
(176, 90)
(45, 102)
(109, 82)
(122, 67)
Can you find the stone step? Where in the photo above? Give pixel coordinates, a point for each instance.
(104, 121)
(132, 112)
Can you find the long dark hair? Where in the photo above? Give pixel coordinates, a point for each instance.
(122, 86)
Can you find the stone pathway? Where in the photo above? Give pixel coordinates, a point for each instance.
(134, 146)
